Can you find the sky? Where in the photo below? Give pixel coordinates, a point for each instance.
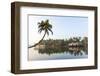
(62, 26)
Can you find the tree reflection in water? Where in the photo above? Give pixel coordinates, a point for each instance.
(76, 51)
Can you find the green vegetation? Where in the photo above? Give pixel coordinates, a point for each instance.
(50, 46)
(71, 42)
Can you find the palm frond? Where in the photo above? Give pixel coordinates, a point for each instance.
(47, 32)
(45, 26)
(40, 30)
(50, 30)
(50, 25)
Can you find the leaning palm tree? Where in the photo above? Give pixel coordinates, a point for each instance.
(43, 26)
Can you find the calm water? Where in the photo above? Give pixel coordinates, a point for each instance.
(57, 53)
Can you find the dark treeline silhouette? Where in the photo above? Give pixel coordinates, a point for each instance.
(71, 42)
(74, 46)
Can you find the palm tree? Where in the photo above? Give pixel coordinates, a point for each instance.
(43, 26)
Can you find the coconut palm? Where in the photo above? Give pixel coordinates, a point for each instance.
(43, 26)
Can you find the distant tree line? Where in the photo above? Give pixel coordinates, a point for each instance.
(53, 43)
(53, 46)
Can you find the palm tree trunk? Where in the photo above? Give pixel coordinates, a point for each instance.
(38, 42)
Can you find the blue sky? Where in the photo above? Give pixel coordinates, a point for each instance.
(62, 26)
